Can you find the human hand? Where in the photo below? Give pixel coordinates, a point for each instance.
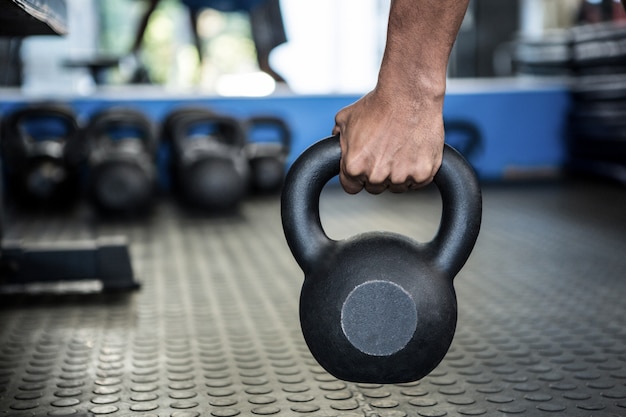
(389, 143)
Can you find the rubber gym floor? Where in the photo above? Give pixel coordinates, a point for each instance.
(214, 328)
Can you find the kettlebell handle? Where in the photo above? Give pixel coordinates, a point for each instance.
(283, 129)
(116, 117)
(14, 136)
(456, 181)
(237, 136)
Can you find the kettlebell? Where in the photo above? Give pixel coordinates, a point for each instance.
(465, 136)
(378, 307)
(269, 143)
(122, 148)
(42, 152)
(209, 165)
(171, 120)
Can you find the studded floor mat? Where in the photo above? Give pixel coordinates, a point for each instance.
(214, 328)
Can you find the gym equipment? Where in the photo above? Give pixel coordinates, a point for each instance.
(548, 54)
(42, 152)
(269, 143)
(165, 160)
(378, 307)
(596, 128)
(172, 119)
(80, 266)
(92, 265)
(209, 165)
(598, 48)
(122, 152)
(596, 138)
(25, 18)
(464, 136)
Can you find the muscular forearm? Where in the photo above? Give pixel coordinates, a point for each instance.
(420, 36)
(392, 138)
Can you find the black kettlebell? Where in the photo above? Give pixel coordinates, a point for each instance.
(378, 307)
(172, 119)
(210, 169)
(42, 152)
(269, 143)
(465, 136)
(122, 151)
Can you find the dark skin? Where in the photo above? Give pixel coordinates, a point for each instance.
(392, 138)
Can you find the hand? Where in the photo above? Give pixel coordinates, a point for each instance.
(394, 143)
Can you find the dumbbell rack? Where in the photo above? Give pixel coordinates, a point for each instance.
(87, 265)
(102, 264)
(214, 329)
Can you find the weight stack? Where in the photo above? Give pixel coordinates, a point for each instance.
(546, 55)
(597, 121)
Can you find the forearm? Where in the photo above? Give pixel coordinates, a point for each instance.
(392, 138)
(420, 36)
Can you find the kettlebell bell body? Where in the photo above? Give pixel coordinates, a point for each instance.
(269, 144)
(42, 152)
(122, 152)
(378, 307)
(209, 167)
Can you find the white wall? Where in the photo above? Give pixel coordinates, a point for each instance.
(334, 46)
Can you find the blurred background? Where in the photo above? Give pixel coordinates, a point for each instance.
(144, 145)
(320, 48)
(565, 51)
(536, 88)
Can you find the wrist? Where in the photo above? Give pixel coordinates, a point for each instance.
(421, 90)
(416, 80)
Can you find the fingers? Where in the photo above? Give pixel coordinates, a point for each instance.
(350, 184)
(353, 175)
(358, 173)
(412, 176)
(379, 153)
(354, 180)
(354, 185)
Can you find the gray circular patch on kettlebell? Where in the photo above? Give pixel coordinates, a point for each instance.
(379, 318)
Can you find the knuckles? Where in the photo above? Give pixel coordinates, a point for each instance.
(354, 167)
(375, 175)
(350, 185)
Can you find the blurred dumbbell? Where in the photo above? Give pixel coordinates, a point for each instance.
(209, 165)
(122, 149)
(42, 151)
(269, 143)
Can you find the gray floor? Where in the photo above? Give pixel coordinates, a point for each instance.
(214, 329)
